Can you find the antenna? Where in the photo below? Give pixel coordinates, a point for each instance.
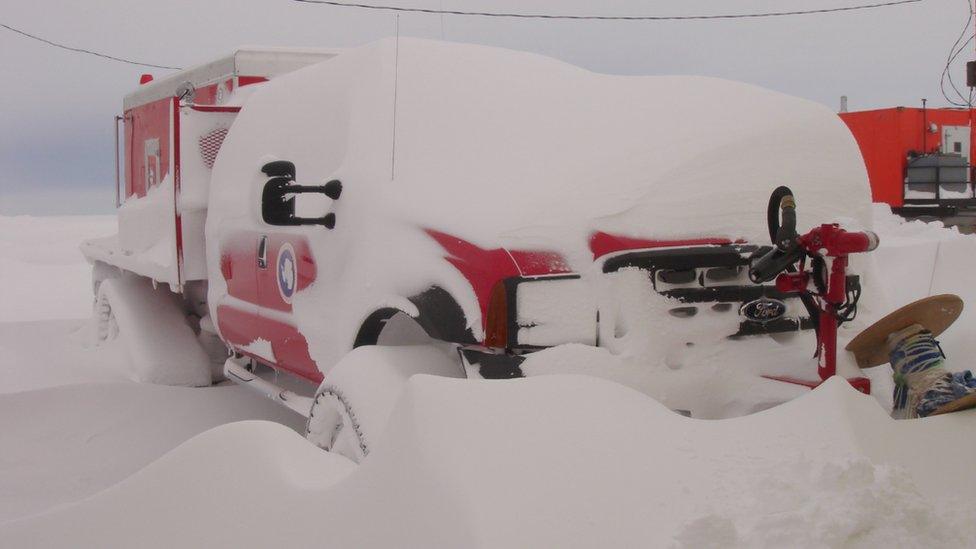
(396, 78)
(925, 127)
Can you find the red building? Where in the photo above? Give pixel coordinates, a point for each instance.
(918, 160)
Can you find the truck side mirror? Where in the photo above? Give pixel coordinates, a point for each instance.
(279, 168)
(278, 199)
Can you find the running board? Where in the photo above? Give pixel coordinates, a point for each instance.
(293, 401)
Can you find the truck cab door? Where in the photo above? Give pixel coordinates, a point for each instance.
(284, 267)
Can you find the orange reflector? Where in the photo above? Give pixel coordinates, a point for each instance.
(496, 319)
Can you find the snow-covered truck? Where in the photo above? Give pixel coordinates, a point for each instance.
(321, 213)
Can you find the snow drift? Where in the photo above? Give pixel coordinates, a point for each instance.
(556, 461)
(63, 444)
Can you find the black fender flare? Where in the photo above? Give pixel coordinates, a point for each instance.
(439, 315)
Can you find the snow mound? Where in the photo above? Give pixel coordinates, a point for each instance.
(63, 444)
(553, 461)
(897, 227)
(919, 259)
(355, 402)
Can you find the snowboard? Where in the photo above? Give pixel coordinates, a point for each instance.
(936, 313)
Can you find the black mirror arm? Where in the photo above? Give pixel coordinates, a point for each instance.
(332, 189)
(328, 221)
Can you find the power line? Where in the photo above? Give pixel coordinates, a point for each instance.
(954, 51)
(608, 17)
(499, 14)
(82, 50)
(947, 74)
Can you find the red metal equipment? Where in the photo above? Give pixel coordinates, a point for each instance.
(825, 287)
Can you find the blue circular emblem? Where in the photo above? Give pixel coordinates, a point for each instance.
(763, 310)
(287, 272)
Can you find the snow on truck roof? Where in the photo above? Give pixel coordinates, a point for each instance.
(245, 61)
(492, 144)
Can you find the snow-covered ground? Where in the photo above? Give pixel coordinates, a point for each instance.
(71, 422)
(89, 458)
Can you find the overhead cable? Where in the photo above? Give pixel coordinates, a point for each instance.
(83, 50)
(954, 51)
(341, 4)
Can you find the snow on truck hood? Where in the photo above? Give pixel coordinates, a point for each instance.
(511, 148)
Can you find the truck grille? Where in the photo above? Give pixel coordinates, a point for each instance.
(713, 276)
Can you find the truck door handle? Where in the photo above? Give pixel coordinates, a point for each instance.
(263, 252)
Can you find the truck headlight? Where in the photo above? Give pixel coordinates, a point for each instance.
(534, 312)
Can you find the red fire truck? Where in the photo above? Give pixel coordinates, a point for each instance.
(290, 208)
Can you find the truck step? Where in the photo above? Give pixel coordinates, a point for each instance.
(299, 404)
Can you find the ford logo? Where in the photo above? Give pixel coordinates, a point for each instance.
(763, 310)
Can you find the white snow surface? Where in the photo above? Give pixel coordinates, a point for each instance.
(511, 149)
(559, 460)
(71, 422)
(920, 259)
(41, 254)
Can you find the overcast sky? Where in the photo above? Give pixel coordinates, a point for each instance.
(57, 109)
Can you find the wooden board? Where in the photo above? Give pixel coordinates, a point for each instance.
(935, 313)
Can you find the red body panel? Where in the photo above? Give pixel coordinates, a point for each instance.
(485, 268)
(237, 327)
(207, 95)
(886, 136)
(602, 243)
(291, 349)
(151, 121)
(241, 328)
(267, 279)
(238, 264)
(536, 263)
(259, 287)
(247, 80)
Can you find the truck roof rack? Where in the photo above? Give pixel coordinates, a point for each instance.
(245, 61)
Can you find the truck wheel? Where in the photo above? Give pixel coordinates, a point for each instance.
(151, 324)
(106, 326)
(355, 401)
(102, 271)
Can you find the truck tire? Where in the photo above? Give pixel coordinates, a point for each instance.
(151, 324)
(355, 401)
(100, 272)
